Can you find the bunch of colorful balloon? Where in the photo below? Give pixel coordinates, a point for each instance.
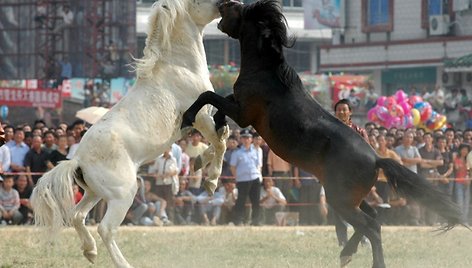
(401, 111)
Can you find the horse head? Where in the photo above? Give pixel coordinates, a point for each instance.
(203, 12)
(263, 20)
(231, 12)
(165, 30)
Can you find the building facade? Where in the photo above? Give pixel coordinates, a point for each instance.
(412, 45)
(221, 50)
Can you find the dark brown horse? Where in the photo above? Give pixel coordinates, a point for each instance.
(269, 95)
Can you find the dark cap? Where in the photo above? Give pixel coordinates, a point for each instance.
(245, 133)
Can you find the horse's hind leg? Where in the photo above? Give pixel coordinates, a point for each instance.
(364, 225)
(353, 243)
(89, 247)
(116, 212)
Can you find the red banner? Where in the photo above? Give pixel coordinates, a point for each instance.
(46, 98)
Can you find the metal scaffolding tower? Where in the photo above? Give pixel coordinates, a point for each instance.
(97, 37)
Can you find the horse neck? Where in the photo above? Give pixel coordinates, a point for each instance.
(255, 60)
(186, 50)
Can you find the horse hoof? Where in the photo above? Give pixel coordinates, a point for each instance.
(345, 260)
(223, 132)
(91, 255)
(198, 163)
(209, 187)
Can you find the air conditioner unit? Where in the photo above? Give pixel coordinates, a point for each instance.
(439, 24)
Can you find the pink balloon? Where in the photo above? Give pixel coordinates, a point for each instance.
(407, 121)
(390, 102)
(381, 100)
(426, 112)
(397, 110)
(392, 122)
(371, 114)
(382, 113)
(400, 96)
(415, 99)
(406, 107)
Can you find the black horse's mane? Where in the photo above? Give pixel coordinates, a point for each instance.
(269, 14)
(271, 22)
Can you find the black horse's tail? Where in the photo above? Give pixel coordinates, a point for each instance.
(409, 184)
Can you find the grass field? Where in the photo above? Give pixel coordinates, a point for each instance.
(238, 247)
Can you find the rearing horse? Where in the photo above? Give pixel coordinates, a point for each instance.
(269, 95)
(172, 74)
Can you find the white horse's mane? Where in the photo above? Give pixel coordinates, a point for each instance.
(163, 16)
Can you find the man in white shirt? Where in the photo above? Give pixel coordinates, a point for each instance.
(167, 182)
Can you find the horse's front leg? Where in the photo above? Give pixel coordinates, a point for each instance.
(220, 117)
(226, 106)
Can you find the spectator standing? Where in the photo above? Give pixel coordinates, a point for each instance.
(112, 52)
(36, 160)
(9, 133)
(370, 98)
(231, 147)
(445, 171)
(5, 158)
(246, 168)
(281, 171)
(436, 99)
(343, 111)
(66, 70)
(462, 183)
(59, 154)
(165, 170)
(431, 160)
(49, 138)
(195, 148)
(310, 198)
(78, 130)
(451, 105)
(185, 159)
(18, 151)
(410, 157)
(41, 13)
(272, 201)
(382, 187)
(9, 202)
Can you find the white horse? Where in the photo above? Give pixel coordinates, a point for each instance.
(171, 76)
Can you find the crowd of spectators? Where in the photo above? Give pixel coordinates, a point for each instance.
(171, 192)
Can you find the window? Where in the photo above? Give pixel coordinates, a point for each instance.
(146, 1)
(299, 56)
(377, 15)
(434, 7)
(222, 51)
(292, 3)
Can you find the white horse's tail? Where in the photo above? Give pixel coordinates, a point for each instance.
(53, 196)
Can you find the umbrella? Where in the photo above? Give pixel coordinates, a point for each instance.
(91, 114)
